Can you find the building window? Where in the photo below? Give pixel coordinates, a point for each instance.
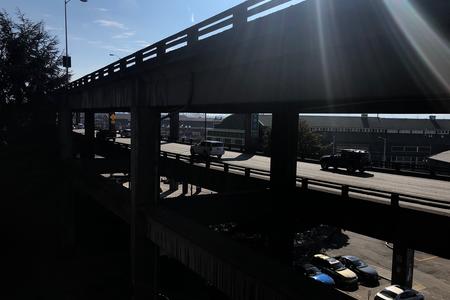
(411, 149)
(424, 149)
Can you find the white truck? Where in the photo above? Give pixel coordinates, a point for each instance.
(208, 148)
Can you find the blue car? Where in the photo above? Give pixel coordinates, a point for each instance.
(314, 273)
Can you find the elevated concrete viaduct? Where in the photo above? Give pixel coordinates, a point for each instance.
(314, 56)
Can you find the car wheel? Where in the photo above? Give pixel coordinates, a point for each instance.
(324, 165)
(350, 169)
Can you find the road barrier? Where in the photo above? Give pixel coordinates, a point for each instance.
(306, 183)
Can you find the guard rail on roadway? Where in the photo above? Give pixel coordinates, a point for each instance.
(394, 199)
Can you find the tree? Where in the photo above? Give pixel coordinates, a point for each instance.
(29, 61)
(309, 143)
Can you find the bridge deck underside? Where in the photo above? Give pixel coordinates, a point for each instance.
(313, 57)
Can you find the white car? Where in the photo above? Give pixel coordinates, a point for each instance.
(208, 148)
(396, 292)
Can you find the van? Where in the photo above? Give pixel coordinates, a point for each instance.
(208, 148)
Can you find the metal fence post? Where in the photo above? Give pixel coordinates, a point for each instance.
(345, 190)
(304, 183)
(395, 200)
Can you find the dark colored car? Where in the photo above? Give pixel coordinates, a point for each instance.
(125, 133)
(350, 159)
(106, 135)
(314, 273)
(365, 272)
(331, 266)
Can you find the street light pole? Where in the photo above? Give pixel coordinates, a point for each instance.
(66, 59)
(66, 63)
(205, 127)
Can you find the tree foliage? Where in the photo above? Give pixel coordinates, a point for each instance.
(310, 143)
(29, 60)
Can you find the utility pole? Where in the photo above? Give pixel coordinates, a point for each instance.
(384, 150)
(205, 126)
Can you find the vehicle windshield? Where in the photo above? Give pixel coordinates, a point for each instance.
(337, 266)
(312, 271)
(389, 294)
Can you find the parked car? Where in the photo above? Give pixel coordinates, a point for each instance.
(364, 272)
(314, 273)
(331, 266)
(351, 159)
(396, 292)
(106, 135)
(208, 148)
(125, 133)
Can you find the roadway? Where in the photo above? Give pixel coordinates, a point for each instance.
(391, 183)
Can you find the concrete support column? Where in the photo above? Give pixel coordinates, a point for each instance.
(185, 188)
(198, 189)
(173, 185)
(89, 135)
(66, 212)
(402, 265)
(283, 171)
(174, 134)
(283, 163)
(248, 142)
(145, 147)
(65, 132)
(112, 121)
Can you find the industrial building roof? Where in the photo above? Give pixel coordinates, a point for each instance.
(367, 122)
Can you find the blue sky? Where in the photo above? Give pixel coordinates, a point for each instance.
(99, 28)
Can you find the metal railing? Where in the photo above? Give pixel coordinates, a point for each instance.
(234, 18)
(393, 198)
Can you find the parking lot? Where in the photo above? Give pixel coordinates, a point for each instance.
(431, 273)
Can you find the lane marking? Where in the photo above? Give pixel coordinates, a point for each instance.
(427, 258)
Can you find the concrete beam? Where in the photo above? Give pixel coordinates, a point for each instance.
(89, 135)
(65, 132)
(273, 69)
(145, 139)
(174, 127)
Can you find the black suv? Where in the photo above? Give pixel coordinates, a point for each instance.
(351, 159)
